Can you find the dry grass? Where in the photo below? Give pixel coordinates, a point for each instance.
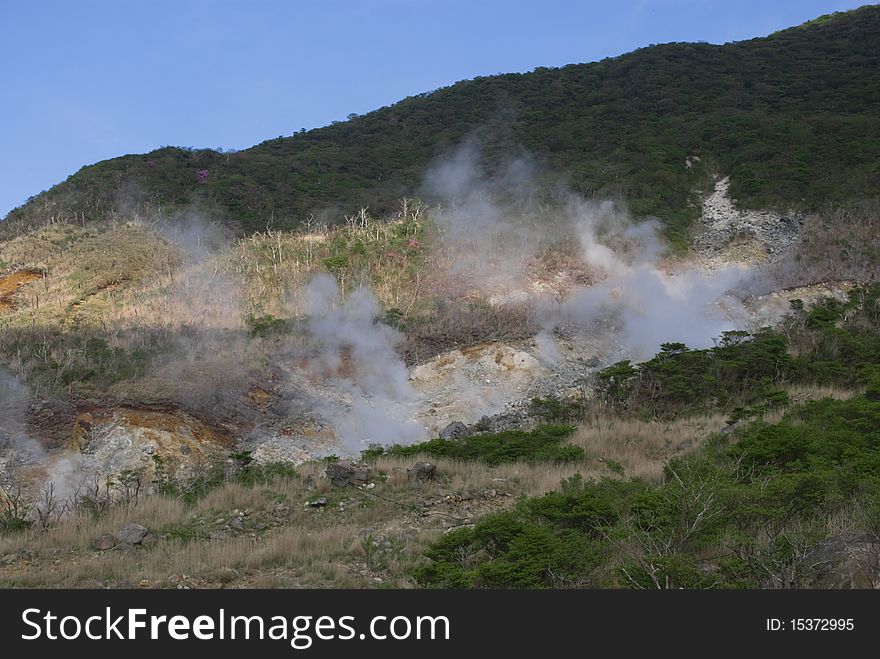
(800, 393)
(643, 447)
(384, 255)
(329, 547)
(335, 546)
(9, 285)
(840, 244)
(77, 532)
(87, 271)
(306, 547)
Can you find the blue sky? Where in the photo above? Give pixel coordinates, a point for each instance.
(93, 79)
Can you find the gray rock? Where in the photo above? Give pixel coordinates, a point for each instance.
(105, 542)
(422, 472)
(345, 473)
(455, 430)
(132, 534)
(730, 427)
(510, 419)
(235, 522)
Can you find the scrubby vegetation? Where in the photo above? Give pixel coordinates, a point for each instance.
(743, 512)
(249, 525)
(543, 444)
(833, 342)
(741, 370)
(792, 118)
(840, 243)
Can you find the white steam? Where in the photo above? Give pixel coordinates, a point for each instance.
(13, 409)
(358, 354)
(21, 450)
(615, 279)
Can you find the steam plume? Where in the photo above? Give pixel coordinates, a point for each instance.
(358, 354)
(616, 279)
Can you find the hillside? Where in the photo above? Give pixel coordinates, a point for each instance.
(793, 119)
(172, 404)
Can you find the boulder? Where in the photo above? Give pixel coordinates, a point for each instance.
(455, 430)
(422, 472)
(132, 534)
(345, 473)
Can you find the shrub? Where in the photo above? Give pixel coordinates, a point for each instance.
(266, 325)
(543, 444)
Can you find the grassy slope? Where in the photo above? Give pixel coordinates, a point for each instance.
(258, 533)
(792, 118)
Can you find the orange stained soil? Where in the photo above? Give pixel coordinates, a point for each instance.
(258, 396)
(9, 284)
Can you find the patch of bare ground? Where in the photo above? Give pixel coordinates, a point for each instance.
(9, 285)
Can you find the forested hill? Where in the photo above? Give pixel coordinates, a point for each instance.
(793, 118)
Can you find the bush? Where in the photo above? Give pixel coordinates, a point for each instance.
(556, 410)
(740, 371)
(543, 444)
(266, 325)
(15, 509)
(832, 342)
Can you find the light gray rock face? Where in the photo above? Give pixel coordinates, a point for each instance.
(723, 223)
(132, 534)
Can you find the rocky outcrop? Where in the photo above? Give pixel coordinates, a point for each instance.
(122, 445)
(455, 430)
(724, 226)
(104, 542)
